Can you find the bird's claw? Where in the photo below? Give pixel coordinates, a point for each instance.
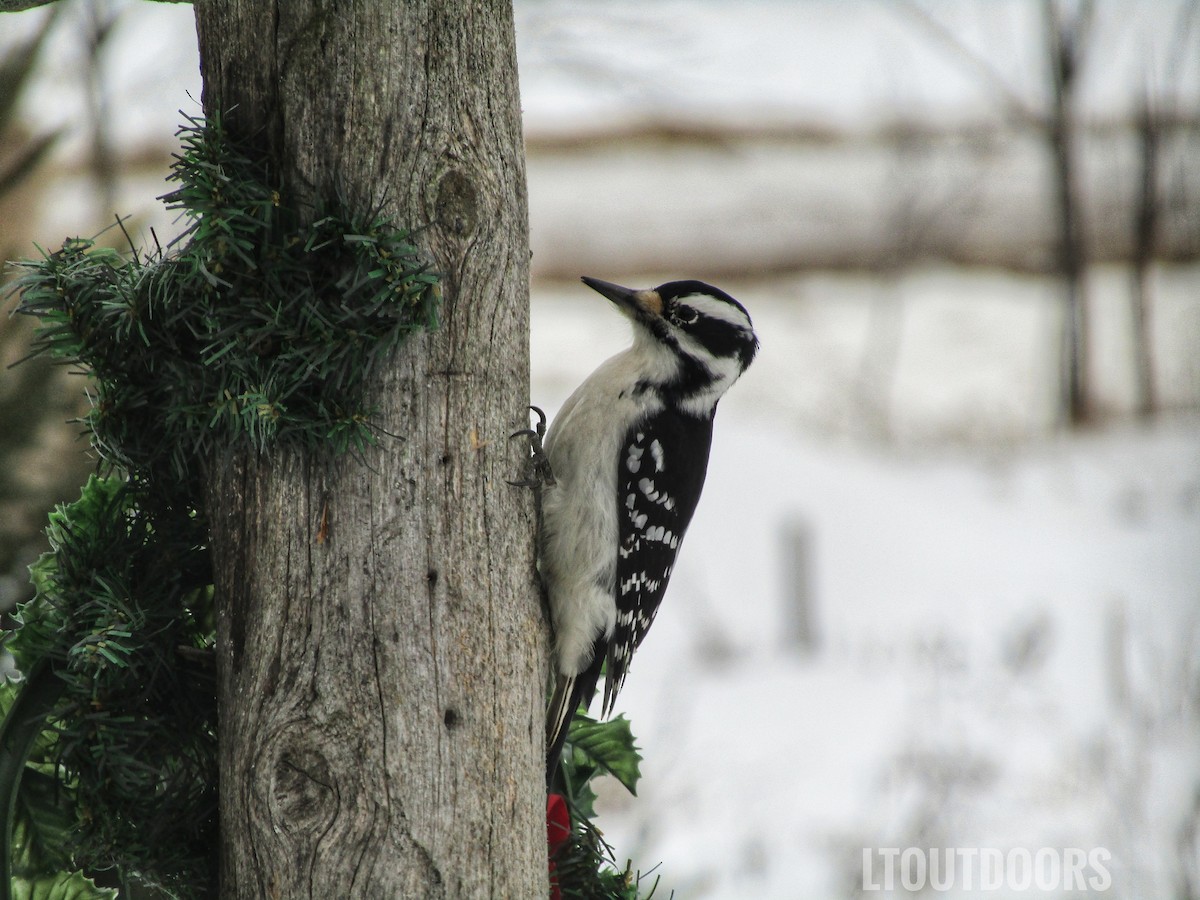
(538, 468)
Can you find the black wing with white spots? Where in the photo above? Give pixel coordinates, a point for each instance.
(657, 495)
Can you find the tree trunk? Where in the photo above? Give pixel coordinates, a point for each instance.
(381, 643)
(1145, 234)
(1064, 40)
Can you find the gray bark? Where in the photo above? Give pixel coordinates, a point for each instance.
(380, 640)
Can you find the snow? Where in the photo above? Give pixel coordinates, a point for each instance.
(587, 66)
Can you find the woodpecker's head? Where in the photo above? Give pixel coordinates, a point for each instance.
(695, 338)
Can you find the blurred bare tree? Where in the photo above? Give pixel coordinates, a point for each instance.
(1145, 234)
(99, 25)
(1068, 27)
(1158, 113)
(31, 393)
(1067, 34)
(44, 459)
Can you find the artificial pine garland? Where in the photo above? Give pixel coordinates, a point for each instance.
(262, 329)
(257, 328)
(122, 596)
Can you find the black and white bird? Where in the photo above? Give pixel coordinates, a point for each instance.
(629, 452)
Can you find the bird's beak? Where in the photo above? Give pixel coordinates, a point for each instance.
(635, 304)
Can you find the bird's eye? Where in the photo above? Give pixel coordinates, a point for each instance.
(685, 315)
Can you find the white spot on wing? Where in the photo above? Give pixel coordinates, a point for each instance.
(633, 460)
(656, 451)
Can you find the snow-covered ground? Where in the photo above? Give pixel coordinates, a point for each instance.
(910, 612)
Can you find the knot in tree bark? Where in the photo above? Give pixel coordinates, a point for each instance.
(457, 204)
(303, 790)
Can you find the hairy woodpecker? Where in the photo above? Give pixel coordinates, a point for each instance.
(628, 453)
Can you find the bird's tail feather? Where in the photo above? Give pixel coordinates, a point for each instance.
(559, 713)
(569, 692)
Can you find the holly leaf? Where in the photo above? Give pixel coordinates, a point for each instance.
(44, 825)
(606, 746)
(60, 886)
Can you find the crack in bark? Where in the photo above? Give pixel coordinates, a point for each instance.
(375, 663)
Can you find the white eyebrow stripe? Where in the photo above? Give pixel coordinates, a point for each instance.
(717, 309)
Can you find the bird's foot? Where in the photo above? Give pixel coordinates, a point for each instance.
(537, 468)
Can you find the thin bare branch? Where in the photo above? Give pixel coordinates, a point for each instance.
(1017, 105)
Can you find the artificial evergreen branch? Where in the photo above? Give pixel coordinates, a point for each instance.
(134, 731)
(260, 330)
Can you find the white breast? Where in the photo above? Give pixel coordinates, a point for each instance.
(578, 557)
